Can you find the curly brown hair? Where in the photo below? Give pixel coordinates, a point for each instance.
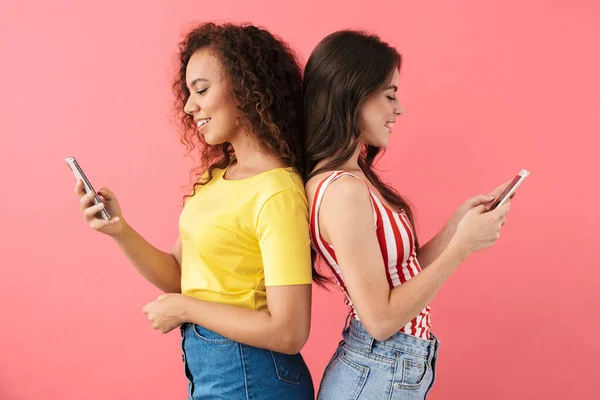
(266, 83)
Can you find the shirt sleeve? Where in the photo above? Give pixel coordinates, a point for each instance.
(284, 240)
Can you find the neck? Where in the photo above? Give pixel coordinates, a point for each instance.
(249, 152)
(350, 164)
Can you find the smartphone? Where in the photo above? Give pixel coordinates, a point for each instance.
(510, 190)
(78, 172)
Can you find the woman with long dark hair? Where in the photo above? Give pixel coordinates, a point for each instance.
(364, 230)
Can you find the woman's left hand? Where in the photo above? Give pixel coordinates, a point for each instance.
(167, 311)
(473, 202)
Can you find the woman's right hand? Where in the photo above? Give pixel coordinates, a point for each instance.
(479, 228)
(112, 227)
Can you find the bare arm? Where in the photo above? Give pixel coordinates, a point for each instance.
(431, 250)
(347, 222)
(434, 248)
(283, 328)
(158, 267)
(283, 236)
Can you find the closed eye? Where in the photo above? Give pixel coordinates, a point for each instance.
(200, 92)
(392, 98)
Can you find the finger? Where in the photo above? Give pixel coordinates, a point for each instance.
(168, 329)
(106, 193)
(86, 200)
(501, 211)
(506, 207)
(98, 223)
(502, 220)
(90, 212)
(480, 199)
(79, 189)
(171, 328)
(155, 325)
(496, 192)
(480, 209)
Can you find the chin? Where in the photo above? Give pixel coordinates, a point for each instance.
(213, 140)
(378, 141)
(382, 144)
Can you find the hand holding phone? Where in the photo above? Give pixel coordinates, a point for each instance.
(80, 175)
(509, 190)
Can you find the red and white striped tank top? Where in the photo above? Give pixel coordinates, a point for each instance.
(397, 243)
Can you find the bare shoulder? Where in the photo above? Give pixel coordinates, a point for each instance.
(312, 184)
(347, 195)
(344, 185)
(345, 212)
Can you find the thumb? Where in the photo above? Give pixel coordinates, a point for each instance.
(500, 212)
(106, 193)
(503, 209)
(481, 199)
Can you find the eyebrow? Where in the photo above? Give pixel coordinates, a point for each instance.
(192, 83)
(392, 87)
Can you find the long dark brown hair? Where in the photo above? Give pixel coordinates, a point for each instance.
(344, 70)
(266, 82)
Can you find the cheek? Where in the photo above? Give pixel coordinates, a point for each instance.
(364, 119)
(226, 109)
(375, 123)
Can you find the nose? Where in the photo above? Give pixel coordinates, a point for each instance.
(191, 106)
(399, 110)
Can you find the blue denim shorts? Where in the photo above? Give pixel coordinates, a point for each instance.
(219, 368)
(401, 367)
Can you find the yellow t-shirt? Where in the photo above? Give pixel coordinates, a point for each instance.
(239, 236)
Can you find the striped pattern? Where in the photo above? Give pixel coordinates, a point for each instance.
(396, 239)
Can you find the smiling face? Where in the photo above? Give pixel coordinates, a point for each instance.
(211, 102)
(378, 113)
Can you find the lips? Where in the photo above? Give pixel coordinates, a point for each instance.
(389, 125)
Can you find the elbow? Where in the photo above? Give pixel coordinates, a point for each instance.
(174, 287)
(292, 341)
(378, 333)
(171, 284)
(292, 348)
(378, 327)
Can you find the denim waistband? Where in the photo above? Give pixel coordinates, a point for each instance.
(356, 336)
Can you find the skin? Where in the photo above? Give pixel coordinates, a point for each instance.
(285, 326)
(382, 310)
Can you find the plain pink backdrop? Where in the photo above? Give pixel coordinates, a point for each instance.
(488, 87)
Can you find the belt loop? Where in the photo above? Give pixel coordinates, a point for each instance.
(369, 344)
(347, 323)
(346, 326)
(432, 349)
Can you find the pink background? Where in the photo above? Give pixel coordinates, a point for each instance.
(488, 87)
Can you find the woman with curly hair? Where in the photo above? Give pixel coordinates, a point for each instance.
(244, 235)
